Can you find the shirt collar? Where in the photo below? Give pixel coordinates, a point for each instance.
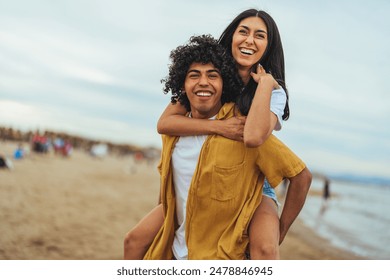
(226, 111)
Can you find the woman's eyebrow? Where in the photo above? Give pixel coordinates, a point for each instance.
(259, 30)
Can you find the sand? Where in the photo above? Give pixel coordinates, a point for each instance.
(80, 208)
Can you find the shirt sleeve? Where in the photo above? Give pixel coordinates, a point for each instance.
(278, 102)
(276, 161)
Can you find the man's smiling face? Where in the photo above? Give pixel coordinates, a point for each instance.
(203, 86)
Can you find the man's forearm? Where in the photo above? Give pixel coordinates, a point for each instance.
(295, 199)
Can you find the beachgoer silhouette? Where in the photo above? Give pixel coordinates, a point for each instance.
(325, 196)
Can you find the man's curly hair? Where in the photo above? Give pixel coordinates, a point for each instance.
(201, 49)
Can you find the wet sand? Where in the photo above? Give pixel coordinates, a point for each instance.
(79, 208)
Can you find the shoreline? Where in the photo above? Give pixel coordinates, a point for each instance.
(80, 208)
(303, 243)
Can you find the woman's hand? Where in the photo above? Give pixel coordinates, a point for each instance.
(263, 77)
(232, 128)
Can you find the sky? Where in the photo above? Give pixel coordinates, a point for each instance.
(93, 68)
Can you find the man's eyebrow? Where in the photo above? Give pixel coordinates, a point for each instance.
(193, 70)
(214, 70)
(259, 30)
(208, 71)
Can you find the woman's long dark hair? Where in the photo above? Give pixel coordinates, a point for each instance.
(272, 60)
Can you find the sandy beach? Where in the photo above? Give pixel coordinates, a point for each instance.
(80, 208)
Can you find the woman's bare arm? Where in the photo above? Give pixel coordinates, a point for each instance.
(260, 121)
(174, 122)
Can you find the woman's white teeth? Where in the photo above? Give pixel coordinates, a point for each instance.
(203, 94)
(246, 51)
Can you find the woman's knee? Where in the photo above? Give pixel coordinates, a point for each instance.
(133, 239)
(128, 239)
(264, 251)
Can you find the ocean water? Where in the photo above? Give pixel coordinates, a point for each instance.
(355, 218)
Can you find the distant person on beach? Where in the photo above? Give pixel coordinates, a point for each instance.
(19, 152)
(40, 143)
(5, 162)
(208, 217)
(325, 196)
(251, 38)
(326, 193)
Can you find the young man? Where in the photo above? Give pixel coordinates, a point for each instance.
(211, 185)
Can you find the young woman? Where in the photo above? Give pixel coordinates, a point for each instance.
(253, 40)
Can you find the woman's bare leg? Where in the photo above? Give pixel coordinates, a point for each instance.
(138, 239)
(264, 231)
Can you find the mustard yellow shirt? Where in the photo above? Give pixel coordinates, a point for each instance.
(225, 191)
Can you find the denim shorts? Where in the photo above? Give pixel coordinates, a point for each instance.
(270, 192)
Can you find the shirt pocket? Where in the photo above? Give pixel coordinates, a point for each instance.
(225, 182)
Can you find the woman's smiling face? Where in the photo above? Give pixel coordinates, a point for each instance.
(249, 41)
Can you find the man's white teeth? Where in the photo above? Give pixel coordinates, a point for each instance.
(203, 94)
(247, 51)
